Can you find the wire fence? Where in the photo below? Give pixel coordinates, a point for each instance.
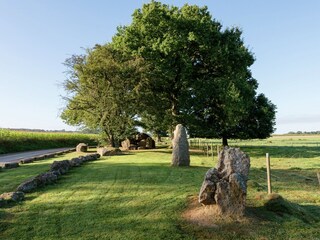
(211, 147)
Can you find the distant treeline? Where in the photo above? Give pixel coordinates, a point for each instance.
(37, 130)
(300, 132)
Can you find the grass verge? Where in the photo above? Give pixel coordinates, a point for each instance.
(139, 196)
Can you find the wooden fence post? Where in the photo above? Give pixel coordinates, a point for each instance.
(268, 173)
(318, 175)
(212, 150)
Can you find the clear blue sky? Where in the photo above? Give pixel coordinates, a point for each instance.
(37, 36)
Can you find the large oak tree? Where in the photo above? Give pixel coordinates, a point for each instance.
(197, 73)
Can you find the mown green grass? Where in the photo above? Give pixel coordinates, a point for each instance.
(17, 141)
(11, 178)
(140, 196)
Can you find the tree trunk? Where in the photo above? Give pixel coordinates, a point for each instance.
(224, 141)
(112, 141)
(159, 138)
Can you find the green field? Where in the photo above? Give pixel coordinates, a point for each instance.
(17, 141)
(140, 196)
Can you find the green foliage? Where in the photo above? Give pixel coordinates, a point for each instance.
(102, 86)
(197, 74)
(16, 141)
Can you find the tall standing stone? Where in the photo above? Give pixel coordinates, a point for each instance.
(180, 147)
(226, 185)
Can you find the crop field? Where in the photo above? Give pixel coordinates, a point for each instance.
(138, 195)
(17, 141)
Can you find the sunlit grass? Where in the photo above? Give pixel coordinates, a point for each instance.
(140, 196)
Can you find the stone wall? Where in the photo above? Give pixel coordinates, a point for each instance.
(57, 169)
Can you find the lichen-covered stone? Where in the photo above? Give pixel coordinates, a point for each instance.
(46, 178)
(60, 166)
(180, 147)
(226, 185)
(28, 185)
(208, 187)
(75, 162)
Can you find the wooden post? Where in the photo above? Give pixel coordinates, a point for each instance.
(318, 175)
(212, 150)
(207, 150)
(268, 173)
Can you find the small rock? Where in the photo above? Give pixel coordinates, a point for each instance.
(46, 178)
(82, 147)
(75, 162)
(9, 165)
(28, 185)
(104, 151)
(12, 196)
(60, 166)
(27, 160)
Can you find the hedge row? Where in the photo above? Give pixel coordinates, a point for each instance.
(18, 141)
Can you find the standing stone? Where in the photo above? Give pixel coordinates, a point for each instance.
(150, 143)
(82, 147)
(125, 144)
(226, 185)
(180, 147)
(142, 144)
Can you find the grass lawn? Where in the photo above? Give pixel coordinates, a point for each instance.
(139, 196)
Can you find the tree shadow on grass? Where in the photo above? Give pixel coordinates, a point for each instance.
(5, 220)
(132, 200)
(281, 213)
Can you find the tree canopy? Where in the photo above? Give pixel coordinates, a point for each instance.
(102, 87)
(174, 65)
